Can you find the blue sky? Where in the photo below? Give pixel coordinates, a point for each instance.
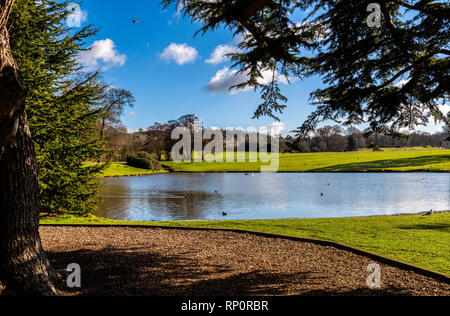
(168, 70)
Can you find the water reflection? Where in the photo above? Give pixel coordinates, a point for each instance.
(265, 196)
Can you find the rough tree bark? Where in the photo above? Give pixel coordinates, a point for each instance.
(24, 267)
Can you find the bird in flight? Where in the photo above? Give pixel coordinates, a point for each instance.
(135, 21)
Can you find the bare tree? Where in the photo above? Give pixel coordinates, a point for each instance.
(116, 100)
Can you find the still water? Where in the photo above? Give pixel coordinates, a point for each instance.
(180, 196)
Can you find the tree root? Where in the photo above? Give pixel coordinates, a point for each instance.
(34, 277)
(2, 289)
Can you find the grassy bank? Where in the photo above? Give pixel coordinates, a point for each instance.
(390, 160)
(117, 169)
(417, 239)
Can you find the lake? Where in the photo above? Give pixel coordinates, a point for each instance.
(183, 196)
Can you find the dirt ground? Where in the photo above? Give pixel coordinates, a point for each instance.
(158, 262)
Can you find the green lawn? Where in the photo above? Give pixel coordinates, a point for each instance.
(391, 159)
(416, 239)
(411, 159)
(117, 169)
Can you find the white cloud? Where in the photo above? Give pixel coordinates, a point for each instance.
(227, 78)
(102, 53)
(401, 83)
(180, 53)
(276, 128)
(445, 108)
(132, 131)
(220, 54)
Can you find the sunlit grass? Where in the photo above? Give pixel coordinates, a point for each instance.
(117, 169)
(392, 159)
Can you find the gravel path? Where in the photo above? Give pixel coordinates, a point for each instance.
(138, 261)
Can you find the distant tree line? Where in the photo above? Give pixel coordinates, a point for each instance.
(337, 139)
(157, 140)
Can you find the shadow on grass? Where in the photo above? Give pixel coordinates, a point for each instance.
(442, 227)
(388, 163)
(138, 272)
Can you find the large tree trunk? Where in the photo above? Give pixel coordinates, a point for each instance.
(24, 267)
